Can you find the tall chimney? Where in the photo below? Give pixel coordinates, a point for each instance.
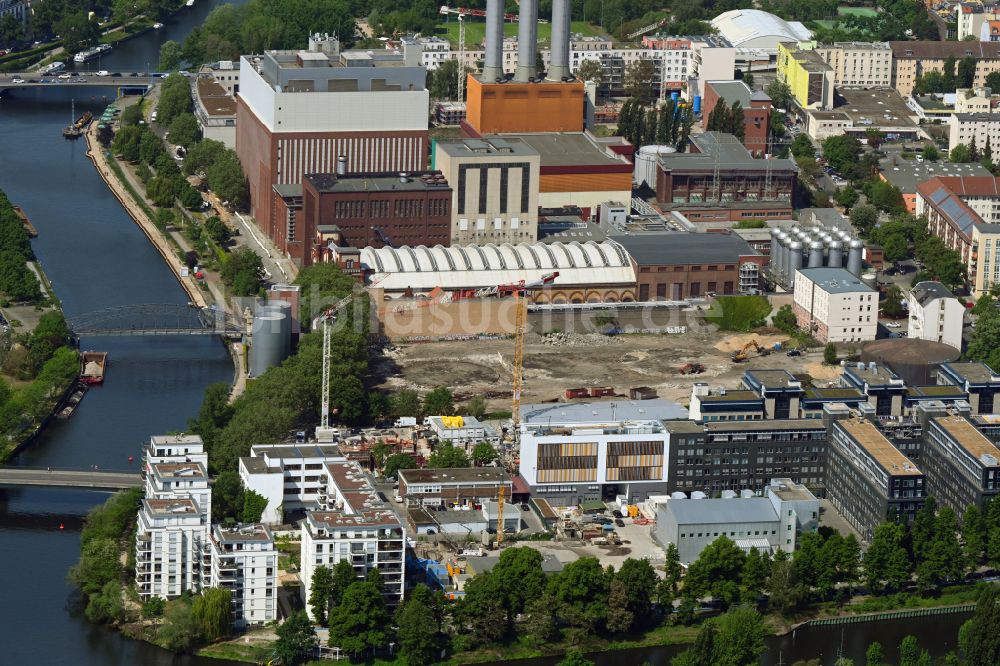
(527, 33)
(493, 67)
(559, 67)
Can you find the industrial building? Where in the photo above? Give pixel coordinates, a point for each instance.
(962, 464)
(455, 487)
(756, 107)
(768, 523)
(355, 525)
(244, 560)
(289, 476)
(834, 304)
(495, 190)
(719, 170)
(576, 452)
(299, 111)
(755, 29)
(712, 457)
(935, 314)
(809, 77)
(676, 266)
(857, 110)
(868, 480)
(978, 380)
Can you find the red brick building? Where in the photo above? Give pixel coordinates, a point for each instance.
(756, 111)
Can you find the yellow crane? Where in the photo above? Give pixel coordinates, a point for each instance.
(500, 516)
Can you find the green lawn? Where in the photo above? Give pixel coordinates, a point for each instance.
(475, 31)
(857, 11)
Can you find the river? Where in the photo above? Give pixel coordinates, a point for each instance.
(96, 257)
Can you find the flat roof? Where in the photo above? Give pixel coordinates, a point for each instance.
(378, 182)
(731, 396)
(490, 146)
(836, 280)
(733, 91)
(789, 491)
(214, 98)
(298, 450)
(936, 391)
(170, 440)
(906, 174)
(969, 438)
(171, 507)
(876, 376)
(455, 475)
(187, 470)
(563, 148)
(809, 60)
(874, 104)
(564, 413)
(764, 426)
(974, 372)
(565, 229)
(835, 394)
(731, 153)
(770, 379)
(721, 511)
(681, 248)
(878, 447)
(247, 533)
(256, 465)
(337, 519)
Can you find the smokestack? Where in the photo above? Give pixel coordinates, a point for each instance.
(559, 67)
(341, 165)
(527, 33)
(493, 66)
(854, 261)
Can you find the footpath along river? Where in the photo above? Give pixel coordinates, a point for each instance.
(96, 257)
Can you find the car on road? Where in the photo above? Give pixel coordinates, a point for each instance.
(116, 73)
(103, 72)
(65, 76)
(893, 324)
(793, 352)
(17, 80)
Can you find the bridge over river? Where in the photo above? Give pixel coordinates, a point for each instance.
(157, 319)
(31, 80)
(69, 478)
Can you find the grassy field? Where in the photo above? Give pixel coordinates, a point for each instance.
(475, 31)
(856, 11)
(738, 313)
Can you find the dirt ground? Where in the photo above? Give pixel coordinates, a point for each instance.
(482, 367)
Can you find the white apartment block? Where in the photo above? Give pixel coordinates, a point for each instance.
(975, 100)
(862, 64)
(169, 541)
(181, 480)
(834, 305)
(935, 314)
(355, 525)
(983, 128)
(243, 559)
(289, 476)
(462, 431)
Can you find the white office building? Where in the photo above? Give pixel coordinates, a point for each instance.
(462, 431)
(594, 450)
(354, 524)
(244, 560)
(289, 476)
(170, 536)
(834, 305)
(935, 314)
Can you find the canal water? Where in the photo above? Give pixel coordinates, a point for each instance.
(96, 257)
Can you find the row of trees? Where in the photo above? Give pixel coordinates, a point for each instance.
(663, 125)
(724, 118)
(18, 283)
(954, 74)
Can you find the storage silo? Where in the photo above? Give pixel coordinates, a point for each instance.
(854, 260)
(835, 258)
(778, 262)
(816, 254)
(775, 234)
(796, 259)
(285, 308)
(647, 161)
(268, 343)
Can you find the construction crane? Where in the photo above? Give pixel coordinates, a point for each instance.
(324, 432)
(500, 503)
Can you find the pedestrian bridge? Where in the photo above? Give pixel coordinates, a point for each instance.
(69, 478)
(157, 319)
(34, 80)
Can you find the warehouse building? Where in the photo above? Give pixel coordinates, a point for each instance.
(755, 29)
(962, 464)
(868, 480)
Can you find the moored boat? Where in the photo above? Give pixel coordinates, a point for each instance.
(92, 365)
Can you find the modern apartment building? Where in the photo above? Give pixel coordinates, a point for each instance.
(858, 64)
(355, 525)
(169, 545)
(590, 451)
(835, 305)
(978, 380)
(299, 111)
(807, 74)
(290, 476)
(962, 464)
(868, 480)
(714, 456)
(935, 314)
(912, 59)
(244, 560)
(495, 186)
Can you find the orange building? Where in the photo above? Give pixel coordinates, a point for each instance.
(512, 107)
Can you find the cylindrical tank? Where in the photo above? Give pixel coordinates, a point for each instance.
(915, 361)
(816, 254)
(647, 164)
(836, 257)
(789, 275)
(775, 243)
(796, 260)
(285, 309)
(697, 104)
(783, 240)
(268, 348)
(870, 279)
(854, 260)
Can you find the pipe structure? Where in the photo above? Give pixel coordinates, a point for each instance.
(493, 65)
(527, 32)
(559, 67)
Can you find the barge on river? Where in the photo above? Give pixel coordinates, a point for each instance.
(92, 365)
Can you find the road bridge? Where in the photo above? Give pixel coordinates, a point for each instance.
(69, 478)
(76, 79)
(157, 319)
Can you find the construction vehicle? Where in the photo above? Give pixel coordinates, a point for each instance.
(692, 369)
(744, 353)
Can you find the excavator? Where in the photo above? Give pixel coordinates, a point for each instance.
(692, 369)
(744, 353)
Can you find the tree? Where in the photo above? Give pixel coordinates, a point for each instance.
(942, 558)
(580, 590)
(153, 608)
(360, 622)
(212, 612)
(296, 639)
(979, 638)
(419, 620)
(780, 94)
(740, 638)
(966, 72)
(343, 577)
(405, 402)
(637, 581)
(846, 196)
(225, 177)
(216, 230)
(909, 651)
(931, 152)
(448, 455)
(170, 56)
(320, 589)
(619, 618)
(591, 70)
(519, 574)
(886, 197)
(863, 218)
(11, 30)
(439, 402)
(830, 354)
(575, 657)
(77, 31)
(179, 630)
(784, 320)
(243, 271)
(887, 564)
(184, 130)
(961, 153)
(484, 454)
(481, 613)
(202, 155)
(802, 146)
(396, 462)
(842, 152)
(638, 80)
(873, 655)
(175, 99)
(784, 589)
(892, 306)
(756, 568)
(717, 572)
(875, 137)
(973, 535)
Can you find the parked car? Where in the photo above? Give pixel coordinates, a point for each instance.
(894, 324)
(17, 80)
(619, 522)
(65, 76)
(103, 72)
(793, 352)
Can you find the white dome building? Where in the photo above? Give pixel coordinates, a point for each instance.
(754, 29)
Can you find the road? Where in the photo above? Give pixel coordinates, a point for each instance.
(31, 80)
(65, 478)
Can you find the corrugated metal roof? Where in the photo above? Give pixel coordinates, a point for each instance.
(719, 511)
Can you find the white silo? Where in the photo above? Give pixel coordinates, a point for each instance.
(816, 254)
(796, 260)
(836, 257)
(854, 260)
